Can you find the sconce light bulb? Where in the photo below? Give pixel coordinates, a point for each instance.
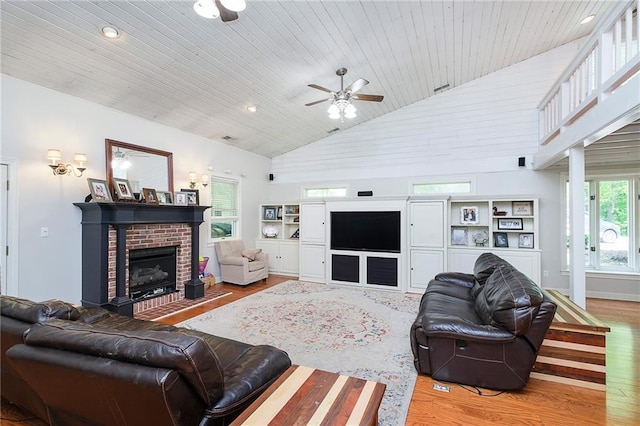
(54, 155)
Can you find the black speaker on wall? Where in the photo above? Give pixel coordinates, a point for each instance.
(521, 162)
(270, 176)
(365, 193)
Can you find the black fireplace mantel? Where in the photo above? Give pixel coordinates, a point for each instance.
(97, 218)
(139, 213)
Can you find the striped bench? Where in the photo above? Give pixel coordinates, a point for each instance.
(307, 396)
(574, 349)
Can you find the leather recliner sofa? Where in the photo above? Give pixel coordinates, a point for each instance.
(482, 329)
(98, 367)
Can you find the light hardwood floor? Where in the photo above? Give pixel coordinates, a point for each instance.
(540, 403)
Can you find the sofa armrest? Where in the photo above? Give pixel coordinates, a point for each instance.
(458, 278)
(233, 260)
(448, 326)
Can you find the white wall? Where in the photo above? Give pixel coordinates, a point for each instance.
(479, 127)
(476, 131)
(35, 119)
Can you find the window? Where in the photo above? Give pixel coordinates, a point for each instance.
(337, 191)
(225, 215)
(609, 242)
(442, 188)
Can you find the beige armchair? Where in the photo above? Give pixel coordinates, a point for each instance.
(239, 265)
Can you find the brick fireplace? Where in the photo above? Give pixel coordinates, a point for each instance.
(147, 237)
(111, 230)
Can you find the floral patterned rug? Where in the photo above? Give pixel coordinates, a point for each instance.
(352, 331)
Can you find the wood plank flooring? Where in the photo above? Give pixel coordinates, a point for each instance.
(540, 403)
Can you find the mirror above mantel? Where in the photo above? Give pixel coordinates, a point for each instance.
(142, 166)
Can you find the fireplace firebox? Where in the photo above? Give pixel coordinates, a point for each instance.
(152, 272)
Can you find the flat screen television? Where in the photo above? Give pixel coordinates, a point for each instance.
(377, 231)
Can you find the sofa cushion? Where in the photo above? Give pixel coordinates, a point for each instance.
(190, 355)
(256, 265)
(509, 299)
(34, 312)
(485, 265)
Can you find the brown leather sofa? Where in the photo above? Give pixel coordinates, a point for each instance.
(98, 367)
(482, 329)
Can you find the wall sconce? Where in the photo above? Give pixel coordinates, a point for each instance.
(193, 183)
(59, 168)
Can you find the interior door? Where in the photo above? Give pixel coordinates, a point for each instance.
(4, 225)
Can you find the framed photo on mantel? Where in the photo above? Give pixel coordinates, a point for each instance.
(123, 189)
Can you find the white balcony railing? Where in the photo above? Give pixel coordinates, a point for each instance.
(608, 59)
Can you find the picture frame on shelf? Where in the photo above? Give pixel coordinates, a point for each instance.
(525, 240)
(164, 197)
(500, 239)
(150, 195)
(480, 237)
(469, 215)
(123, 189)
(99, 191)
(510, 224)
(180, 199)
(193, 196)
(459, 237)
(279, 215)
(522, 208)
(269, 213)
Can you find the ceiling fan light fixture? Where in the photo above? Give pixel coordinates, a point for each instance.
(234, 5)
(350, 109)
(333, 109)
(206, 8)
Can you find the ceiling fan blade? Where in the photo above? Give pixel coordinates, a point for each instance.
(226, 15)
(318, 102)
(356, 85)
(371, 98)
(324, 89)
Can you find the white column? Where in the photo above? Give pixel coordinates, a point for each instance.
(577, 276)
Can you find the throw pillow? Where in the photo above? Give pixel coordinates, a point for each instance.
(251, 254)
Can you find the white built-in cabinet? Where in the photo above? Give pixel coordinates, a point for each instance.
(312, 242)
(284, 256)
(284, 248)
(507, 227)
(442, 234)
(427, 243)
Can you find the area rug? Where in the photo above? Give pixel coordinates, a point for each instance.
(351, 331)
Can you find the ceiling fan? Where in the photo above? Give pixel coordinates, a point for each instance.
(227, 10)
(341, 105)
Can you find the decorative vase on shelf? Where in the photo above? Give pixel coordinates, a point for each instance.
(270, 231)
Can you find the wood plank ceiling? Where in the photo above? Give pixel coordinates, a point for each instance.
(176, 68)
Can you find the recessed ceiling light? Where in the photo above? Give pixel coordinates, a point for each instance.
(252, 108)
(110, 32)
(587, 19)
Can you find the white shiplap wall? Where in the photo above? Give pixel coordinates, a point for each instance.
(481, 126)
